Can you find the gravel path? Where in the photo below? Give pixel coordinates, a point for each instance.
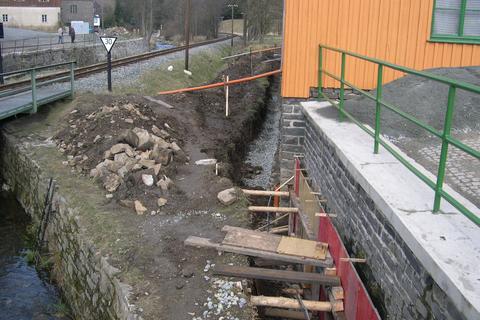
(263, 149)
(130, 74)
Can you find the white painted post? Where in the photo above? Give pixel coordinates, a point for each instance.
(226, 96)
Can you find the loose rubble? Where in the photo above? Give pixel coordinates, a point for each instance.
(225, 298)
(142, 156)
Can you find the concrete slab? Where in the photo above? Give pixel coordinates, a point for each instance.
(448, 244)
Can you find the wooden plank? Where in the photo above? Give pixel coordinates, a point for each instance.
(207, 243)
(273, 209)
(259, 240)
(276, 275)
(302, 248)
(266, 193)
(281, 313)
(287, 303)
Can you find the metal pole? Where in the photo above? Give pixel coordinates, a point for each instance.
(109, 61)
(33, 75)
(378, 107)
(320, 71)
(251, 62)
(444, 153)
(232, 26)
(342, 85)
(244, 29)
(72, 79)
(187, 32)
(2, 81)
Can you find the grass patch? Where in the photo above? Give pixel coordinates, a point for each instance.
(205, 66)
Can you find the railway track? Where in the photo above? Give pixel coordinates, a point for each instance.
(102, 66)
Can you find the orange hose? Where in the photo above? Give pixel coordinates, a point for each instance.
(221, 84)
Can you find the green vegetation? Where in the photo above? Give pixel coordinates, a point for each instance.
(205, 67)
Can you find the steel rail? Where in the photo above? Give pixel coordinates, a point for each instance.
(102, 66)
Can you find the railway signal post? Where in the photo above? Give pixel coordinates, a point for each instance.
(108, 43)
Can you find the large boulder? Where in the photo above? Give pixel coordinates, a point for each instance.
(139, 208)
(112, 182)
(138, 138)
(228, 196)
(161, 155)
(122, 147)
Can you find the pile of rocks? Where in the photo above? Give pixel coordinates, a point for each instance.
(141, 152)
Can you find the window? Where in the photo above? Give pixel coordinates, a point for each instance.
(5, 17)
(44, 18)
(456, 21)
(73, 8)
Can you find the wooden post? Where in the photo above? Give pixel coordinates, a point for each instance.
(287, 303)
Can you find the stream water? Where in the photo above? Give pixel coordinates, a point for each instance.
(24, 294)
(263, 149)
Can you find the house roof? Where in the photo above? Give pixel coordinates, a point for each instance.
(30, 3)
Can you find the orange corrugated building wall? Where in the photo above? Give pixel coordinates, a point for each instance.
(397, 31)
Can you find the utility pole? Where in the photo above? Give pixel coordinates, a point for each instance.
(233, 8)
(187, 31)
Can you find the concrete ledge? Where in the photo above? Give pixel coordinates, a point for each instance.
(448, 245)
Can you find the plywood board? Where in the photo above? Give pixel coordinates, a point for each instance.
(259, 240)
(302, 248)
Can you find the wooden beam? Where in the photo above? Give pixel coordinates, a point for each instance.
(266, 193)
(273, 209)
(337, 305)
(324, 215)
(354, 260)
(276, 230)
(207, 243)
(276, 275)
(281, 313)
(287, 303)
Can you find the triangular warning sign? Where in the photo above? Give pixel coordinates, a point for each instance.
(108, 42)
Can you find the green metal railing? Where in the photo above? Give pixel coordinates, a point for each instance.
(34, 84)
(444, 135)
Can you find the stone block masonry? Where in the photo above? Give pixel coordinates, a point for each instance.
(396, 276)
(86, 279)
(292, 137)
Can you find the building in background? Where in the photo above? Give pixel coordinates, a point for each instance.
(77, 10)
(33, 14)
(417, 34)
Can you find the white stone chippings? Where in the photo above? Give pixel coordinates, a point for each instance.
(227, 296)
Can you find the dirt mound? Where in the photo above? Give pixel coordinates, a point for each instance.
(126, 147)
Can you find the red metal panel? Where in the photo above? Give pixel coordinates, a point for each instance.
(358, 305)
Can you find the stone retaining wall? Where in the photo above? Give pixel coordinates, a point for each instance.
(86, 279)
(398, 283)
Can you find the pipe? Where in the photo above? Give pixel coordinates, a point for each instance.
(220, 84)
